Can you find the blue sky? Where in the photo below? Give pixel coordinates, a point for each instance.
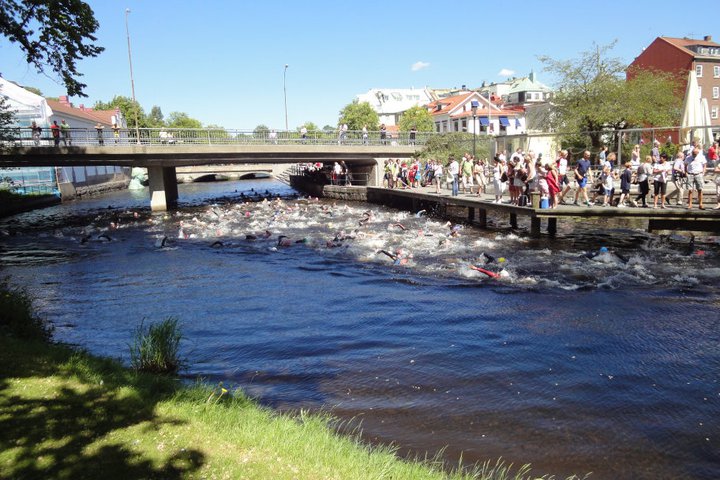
(222, 61)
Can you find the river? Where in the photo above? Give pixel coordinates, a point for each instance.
(575, 359)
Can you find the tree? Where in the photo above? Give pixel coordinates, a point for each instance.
(52, 35)
(592, 95)
(261, 131)
(182, 120)
(440, 147)
(358, 115)
(129, 109)
(34, 90)
(7, 118)
(155, 118)
(310, 126)
(417, 117)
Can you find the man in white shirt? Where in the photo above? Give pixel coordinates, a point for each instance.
(695, 171)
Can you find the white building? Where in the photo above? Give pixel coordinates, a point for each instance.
(390, 103)
(455, 114)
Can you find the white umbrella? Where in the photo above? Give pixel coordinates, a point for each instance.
(706, 136)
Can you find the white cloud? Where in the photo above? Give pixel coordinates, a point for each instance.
(506, 72)
(419, 66)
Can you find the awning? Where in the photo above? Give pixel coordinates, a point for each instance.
(504, 122)
(484, 121)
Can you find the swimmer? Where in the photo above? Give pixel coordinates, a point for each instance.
(491, 267)
(284, 241)
(161, 241)
(420, 213)
(604, 255)
(216, 244)
(103, 237)
(398, 258)
(399, 225)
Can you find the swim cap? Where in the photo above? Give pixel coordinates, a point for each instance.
(603, 249)
(501, 259)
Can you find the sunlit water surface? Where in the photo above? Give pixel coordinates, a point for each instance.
(608, 364)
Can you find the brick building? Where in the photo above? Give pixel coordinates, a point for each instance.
(683, 55)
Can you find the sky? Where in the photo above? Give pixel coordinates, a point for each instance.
(223, 61)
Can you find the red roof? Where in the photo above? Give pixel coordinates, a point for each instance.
(683, 43)
(61, 108)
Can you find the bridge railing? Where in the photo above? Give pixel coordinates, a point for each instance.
(211, 137)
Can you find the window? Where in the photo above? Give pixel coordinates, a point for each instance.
(716, 92)
(714, 113)
(716, 71)
(698, 70)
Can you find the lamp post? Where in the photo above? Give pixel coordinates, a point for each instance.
(132, 80)
(285, 95)
(474, 107)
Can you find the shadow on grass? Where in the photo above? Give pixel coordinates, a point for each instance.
(60, 412)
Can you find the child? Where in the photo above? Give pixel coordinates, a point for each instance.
(625, 183)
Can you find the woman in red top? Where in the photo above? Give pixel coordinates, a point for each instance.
(553, 181)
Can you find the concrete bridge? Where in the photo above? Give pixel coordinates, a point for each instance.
(163, 160)
(202, 173)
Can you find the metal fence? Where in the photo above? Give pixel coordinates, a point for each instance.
(211, 136)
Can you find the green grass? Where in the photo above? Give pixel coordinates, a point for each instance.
(156, 349)
(65, 414)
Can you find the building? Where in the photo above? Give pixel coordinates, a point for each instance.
(64, 181)
(455, 114)
(526, 91)
(681, 55)
(390, 103)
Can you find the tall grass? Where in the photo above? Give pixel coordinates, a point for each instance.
(17, 317)
(155, 349)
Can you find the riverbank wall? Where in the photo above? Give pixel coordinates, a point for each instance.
(10, 207)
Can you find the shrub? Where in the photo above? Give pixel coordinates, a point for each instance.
(17, 317)
(155, 349)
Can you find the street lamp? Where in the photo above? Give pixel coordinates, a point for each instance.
(474, 107)
(132, 81)
(285, 95)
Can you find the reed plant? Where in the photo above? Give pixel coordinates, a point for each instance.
(156, 349)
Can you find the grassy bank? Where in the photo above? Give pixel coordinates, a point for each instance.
(67, 415)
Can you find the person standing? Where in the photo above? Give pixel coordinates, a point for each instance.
(365, 138)
(602, 156)
(582, 170)
(116, 132)
(454, 172)
(500, 177)
(643, 178)
(65, 130)
(635, 158)
(660, 172)
(55, 131)
(36, 132)
(303, 134)
(562, 165)
(679, 178)
(99, 127)
(383, 134)
(437, 176)
(712, 155)
(413, 133)
(625, 184)
(695, 173)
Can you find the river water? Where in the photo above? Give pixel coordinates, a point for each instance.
(609, 364)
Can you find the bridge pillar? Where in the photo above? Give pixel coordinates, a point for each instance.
(163, 188)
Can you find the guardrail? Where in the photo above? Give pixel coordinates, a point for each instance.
(209, 136)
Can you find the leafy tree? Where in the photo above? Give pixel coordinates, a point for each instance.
(358, 115)
(592, 95)
(261, 131)
(7, 118)
(440, 147)
(34, 90)
(329, 129)
(52, 34)
(182, 120)
(310, 126)
(131, 110)
(155, 118)
(216, 131)
(417, 117)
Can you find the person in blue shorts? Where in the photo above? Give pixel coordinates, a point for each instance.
(581, 176)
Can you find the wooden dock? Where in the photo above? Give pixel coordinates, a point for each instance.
(669, 218)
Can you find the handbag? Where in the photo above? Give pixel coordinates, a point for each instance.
(504, 177)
